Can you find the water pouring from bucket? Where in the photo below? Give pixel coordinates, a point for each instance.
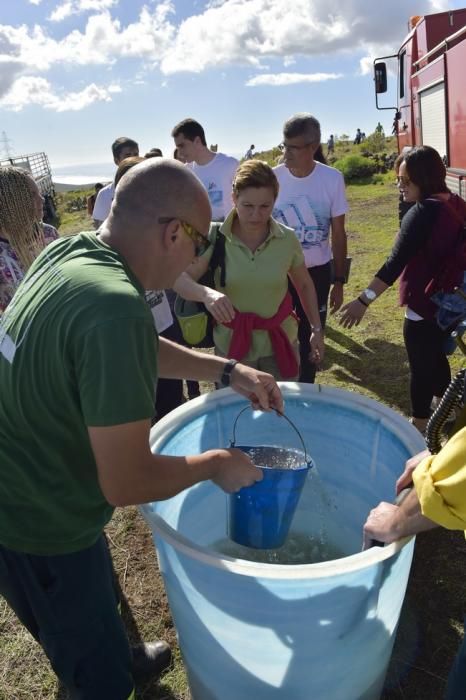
(259, 516)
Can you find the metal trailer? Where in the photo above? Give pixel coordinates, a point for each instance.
(39, 167)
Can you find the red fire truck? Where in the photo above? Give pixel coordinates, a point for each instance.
(431, 101)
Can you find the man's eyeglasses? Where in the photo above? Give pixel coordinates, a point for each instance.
(201, 243)
(294, 149)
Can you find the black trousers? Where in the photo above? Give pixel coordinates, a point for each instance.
(428, 363)
(69, 604)
(169, 391)
(321, 277)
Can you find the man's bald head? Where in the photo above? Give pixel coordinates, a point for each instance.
(159, 187)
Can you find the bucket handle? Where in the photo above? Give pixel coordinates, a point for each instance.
(282, 415)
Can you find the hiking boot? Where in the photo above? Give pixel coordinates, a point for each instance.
(150, 659)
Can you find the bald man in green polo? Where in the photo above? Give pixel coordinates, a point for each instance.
(79, 361)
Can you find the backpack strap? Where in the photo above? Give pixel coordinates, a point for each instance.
(449, 207)
(218, 256)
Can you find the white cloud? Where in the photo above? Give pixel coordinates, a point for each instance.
(61, 12)
(439, 5)
(75, 7)
(10, 70)
(76, 101)
(102, 42)
(231, 32)
(29, 90)
(221, 34)
(278, 79)
(259, 29)
(95, 5)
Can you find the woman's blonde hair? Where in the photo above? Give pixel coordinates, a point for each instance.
(18, 218)
(255, 173)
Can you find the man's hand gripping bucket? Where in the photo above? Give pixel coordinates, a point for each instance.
(260, 515)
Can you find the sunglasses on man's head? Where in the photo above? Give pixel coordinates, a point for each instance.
(201, 243)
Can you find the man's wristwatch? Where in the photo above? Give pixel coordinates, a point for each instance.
(339, 279)
(227, 370)
(370, 295)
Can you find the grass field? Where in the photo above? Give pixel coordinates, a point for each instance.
(370, 360)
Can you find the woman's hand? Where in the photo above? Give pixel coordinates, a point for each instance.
(317, 347)
(352, 313)
(219, 306)
(406, 479)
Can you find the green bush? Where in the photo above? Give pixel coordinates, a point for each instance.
(356, 167)
(375, 143)
(271, 156)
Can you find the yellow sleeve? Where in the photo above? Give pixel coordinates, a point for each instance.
(440, 483)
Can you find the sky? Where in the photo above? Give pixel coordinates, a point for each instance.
(76, 74)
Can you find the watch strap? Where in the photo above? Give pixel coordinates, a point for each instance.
(227, 370)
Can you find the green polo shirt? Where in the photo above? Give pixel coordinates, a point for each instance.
(77, 349)
(257, 282)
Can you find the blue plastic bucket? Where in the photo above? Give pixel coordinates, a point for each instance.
(259, 516)
(272, 631)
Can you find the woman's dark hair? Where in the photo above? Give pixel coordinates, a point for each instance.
(319, 155)
(426, 169)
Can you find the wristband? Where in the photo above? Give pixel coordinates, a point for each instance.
(316, 329)
(227, 370)
(341, 280)
(364, 303)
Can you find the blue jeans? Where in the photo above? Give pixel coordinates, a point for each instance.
(456, 686)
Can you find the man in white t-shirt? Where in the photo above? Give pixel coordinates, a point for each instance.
(122, 148)
(214, 170)
(312, 201)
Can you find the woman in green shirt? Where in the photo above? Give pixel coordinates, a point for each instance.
(255, 320)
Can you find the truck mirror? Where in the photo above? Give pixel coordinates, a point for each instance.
(380, 77)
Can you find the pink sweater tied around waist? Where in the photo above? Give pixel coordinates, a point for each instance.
(245, 323)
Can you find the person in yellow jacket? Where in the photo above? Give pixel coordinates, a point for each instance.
(438, 498)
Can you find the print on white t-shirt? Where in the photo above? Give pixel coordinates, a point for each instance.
(308, 204)
(217, 177)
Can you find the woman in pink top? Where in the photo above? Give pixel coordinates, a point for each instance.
(22, 234)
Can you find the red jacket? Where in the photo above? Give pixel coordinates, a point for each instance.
(245, 323)
(429, 262)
